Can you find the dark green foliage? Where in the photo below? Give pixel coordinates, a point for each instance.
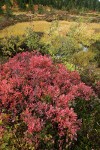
(1, 4)
(71, 4)
(1, 11)
(8, 8)
(40, 9)
(89, 135)
(22, 4)
(60, 4)
(31, 4)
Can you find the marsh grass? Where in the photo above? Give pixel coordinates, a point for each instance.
(43, 26)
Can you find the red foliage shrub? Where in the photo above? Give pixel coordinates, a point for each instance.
(40, 94)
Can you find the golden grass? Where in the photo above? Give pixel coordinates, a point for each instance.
(43, 26)
(20, 28)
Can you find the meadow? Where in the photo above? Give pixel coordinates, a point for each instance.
(43, 26)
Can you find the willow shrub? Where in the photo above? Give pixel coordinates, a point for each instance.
(11, 45)
(37, 99)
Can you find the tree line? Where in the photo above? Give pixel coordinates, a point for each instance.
(71, 4)
(60, 4)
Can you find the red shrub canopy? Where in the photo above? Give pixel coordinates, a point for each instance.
(40, 92)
